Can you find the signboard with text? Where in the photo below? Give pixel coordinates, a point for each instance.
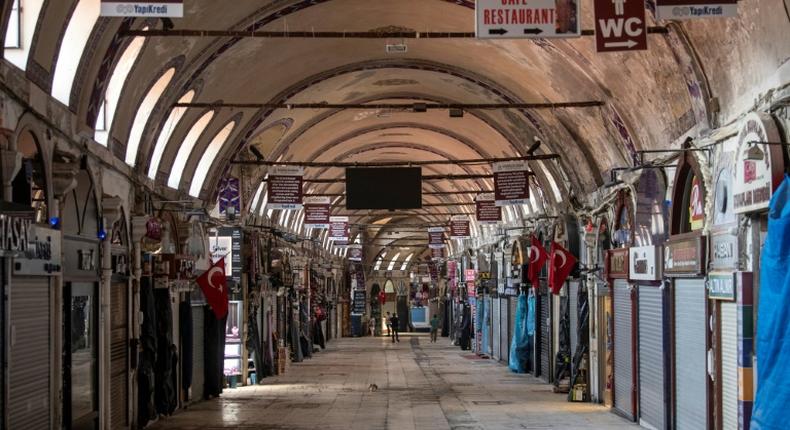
(149, 9)
(285, 187)
(355, 252)
(487, 212)
(757, 178)
(511, 183)
(693, 9)
(525, 19)
(316, 212)
(685, 255)
(338, 229)
(620, 25)
(459, 227)
(721, 286)
(436, 237)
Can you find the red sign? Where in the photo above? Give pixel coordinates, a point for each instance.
(338, 229)
(487, 210)
(696, 205)
(316, 212)
(459, 227)
(285, 187)
(511, 183)
(436, 237)
(620, 25)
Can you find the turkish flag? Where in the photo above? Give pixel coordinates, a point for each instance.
(537, 256)
(562, 262)
(382, 297)
(215, 288)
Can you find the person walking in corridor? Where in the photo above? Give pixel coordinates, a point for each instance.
(394, 329)
(434, 327)
(389, 324)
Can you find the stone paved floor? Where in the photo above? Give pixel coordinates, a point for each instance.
(421, 386)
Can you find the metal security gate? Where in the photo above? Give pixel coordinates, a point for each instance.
(495, 316)
(119, 355)
(504, 334)
(198, 352)
(573, 310)
(729, 365)
(623, 349)
(29, 354)
(691, 396)
(652, 388)
(545, 336)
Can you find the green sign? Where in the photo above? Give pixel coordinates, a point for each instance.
(721, 286)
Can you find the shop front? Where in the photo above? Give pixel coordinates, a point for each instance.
(623, 333)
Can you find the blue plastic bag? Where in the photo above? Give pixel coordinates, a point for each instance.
(519, 345)
(773, 323)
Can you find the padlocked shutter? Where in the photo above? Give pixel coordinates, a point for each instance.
(545, 336)
(573, 310)
(729, 365)
(496, 328)
(198, 352)
(623, 349)
(691, 394)
(119, 355)
(652, 388)
(504, 333)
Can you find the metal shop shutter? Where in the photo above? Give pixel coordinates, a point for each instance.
(573, 310)
(504, 333)
(729, 364)
(198, 352)
(29, 354)
(652, 404)
(495, 317)
(690, 355)
(119, 351)
(545, 336)
(623, 349)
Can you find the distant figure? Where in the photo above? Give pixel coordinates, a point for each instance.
(394, 329)
(389, 325)
(434, 327)
(372, 326)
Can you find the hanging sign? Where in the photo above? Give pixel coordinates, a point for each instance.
(437, 253)
(511, 183)
(285, 187)
(693, 9)
(522, 19)
(436, 237)
(359, 302)
(487, 212)
(143, 8)
(316, 212)
(459, 227)
(355, 252)
(338, 229)
(620, 25)
(721, 286)
(756, 179)
(229, 195)
(225, 242)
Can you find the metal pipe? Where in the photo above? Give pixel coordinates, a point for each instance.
(393, 106)
(394, 163)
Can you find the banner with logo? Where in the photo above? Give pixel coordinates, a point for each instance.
(459, 227)
(149, 9)
(435, 237)
(338, 229)
(316, 212)
(229, 195)
(693, 9)
(285, 187)
(511, 183)
(487, 212)
(355, 252)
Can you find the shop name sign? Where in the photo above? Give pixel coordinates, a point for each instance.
(14, 233)
(721, 286)
(618, 263)
(723, 251)
(685, 256)
(153, 9)
(511, 183)
(645, 263)
(42, 255)
(755, 180)
(692, 9)
(524, 19)
(285, 187)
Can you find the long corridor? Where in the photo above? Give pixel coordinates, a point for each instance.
(420, 386)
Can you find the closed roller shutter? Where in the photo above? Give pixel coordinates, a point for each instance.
(690, 355)
(623, 349)
(496, 328)
(729, 365)
(545, 337)
(29, 354)
(573, 311)
(504, 333)
(198, 352)
(652, 391)
(119, 335)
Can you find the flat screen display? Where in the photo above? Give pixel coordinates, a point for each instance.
(383, 188)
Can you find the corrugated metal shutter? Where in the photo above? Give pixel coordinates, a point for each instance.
(573, 310)
(545, 337)
(198, 352)
(504, 334)
(729, 365)
(29, 354)
(652, 391)
(691, 395)
(623, 348)
(119, 335)
(496, 319)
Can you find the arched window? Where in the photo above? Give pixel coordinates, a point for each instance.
(186, 148)
(71, 48)
(379, 261)
(114, 87)
(394, 260)
(20, 30)
(254, 199)
(143, 113)
(207, 159)
(167, 130)
(405, 263)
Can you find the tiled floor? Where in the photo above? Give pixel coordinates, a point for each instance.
(421, 386)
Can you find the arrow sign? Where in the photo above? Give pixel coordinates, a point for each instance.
(620, 25)
(497, 31)
(532, 31)
(523, 19)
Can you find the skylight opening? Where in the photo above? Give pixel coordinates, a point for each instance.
(406, 262)
(167, 131)
(254, 199)
(186, 148)
(392, 262)
(72, 47)
(144, 113)
(207, 159)
(379, 261)
(20, 30)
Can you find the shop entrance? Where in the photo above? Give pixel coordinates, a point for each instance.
(80, 355)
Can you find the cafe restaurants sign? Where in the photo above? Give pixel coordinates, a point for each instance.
(758, 177)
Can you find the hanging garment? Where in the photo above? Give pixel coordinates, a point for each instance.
(165, 394)
(465, 329)
(562, 359)
(519, 347)
(146, 378)
(318, 335)
(773, 324)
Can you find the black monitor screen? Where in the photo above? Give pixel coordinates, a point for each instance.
(383, 188)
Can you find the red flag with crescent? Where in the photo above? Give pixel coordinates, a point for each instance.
(215, 288)
(537, 258)
(562, 262)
